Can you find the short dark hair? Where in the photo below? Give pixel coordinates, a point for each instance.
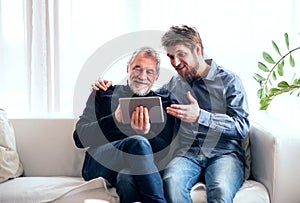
(148, 52)
(182, 34)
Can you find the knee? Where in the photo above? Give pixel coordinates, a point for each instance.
(171, 179)
(139, 145)
(172, 171)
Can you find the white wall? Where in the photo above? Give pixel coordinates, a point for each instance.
(234, 33)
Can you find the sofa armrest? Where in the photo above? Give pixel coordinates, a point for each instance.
(275, 147)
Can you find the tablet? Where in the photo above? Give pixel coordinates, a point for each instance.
(153, 104)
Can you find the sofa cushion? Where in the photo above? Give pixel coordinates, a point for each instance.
(55, 189)
(10, 165)
(251, 191)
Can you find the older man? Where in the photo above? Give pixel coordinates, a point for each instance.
(117, 150)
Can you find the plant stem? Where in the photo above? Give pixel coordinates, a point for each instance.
(269, 75)
(292, 87)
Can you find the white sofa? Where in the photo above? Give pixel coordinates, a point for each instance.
(52, 165)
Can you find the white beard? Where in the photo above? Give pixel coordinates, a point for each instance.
(139, 91)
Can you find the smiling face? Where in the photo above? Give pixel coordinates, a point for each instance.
(185, 49)
(185, 61)
(142, 73)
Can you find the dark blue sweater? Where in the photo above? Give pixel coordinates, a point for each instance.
(97, 124)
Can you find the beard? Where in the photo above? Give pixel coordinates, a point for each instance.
(191, 73)
(140, 91)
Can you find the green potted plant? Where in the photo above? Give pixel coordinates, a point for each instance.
(272, 71)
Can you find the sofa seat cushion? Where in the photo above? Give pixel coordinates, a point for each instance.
(251, 191)
(55, 189)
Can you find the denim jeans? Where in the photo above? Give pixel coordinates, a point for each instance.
(129, 190)
(222, 175)
(129, 157)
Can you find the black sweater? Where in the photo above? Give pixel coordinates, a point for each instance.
(97, 124)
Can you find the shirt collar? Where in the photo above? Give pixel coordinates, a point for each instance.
(212, 71)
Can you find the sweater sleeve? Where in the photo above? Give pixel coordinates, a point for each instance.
(96, 125)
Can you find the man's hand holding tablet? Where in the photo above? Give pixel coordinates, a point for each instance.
(153, 105)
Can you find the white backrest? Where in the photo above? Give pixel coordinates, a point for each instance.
(46, 147)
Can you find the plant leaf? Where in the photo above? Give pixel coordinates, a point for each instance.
(292, 61)
(263, 67)
(292, 92)
(287, 42)
(283, 84)
(264, 103)
(276, 47)
(268, 58)
(270, 82)
(280, 68)
(273, 91)
(274, 75)
(266, 89)
(296, 82)
(264, 106)
(260, 93)
(259, 78)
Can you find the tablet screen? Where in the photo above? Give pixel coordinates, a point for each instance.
(153, 104)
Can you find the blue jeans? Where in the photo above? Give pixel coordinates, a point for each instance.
(128, 189)
(222, 175)
(131, 156)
